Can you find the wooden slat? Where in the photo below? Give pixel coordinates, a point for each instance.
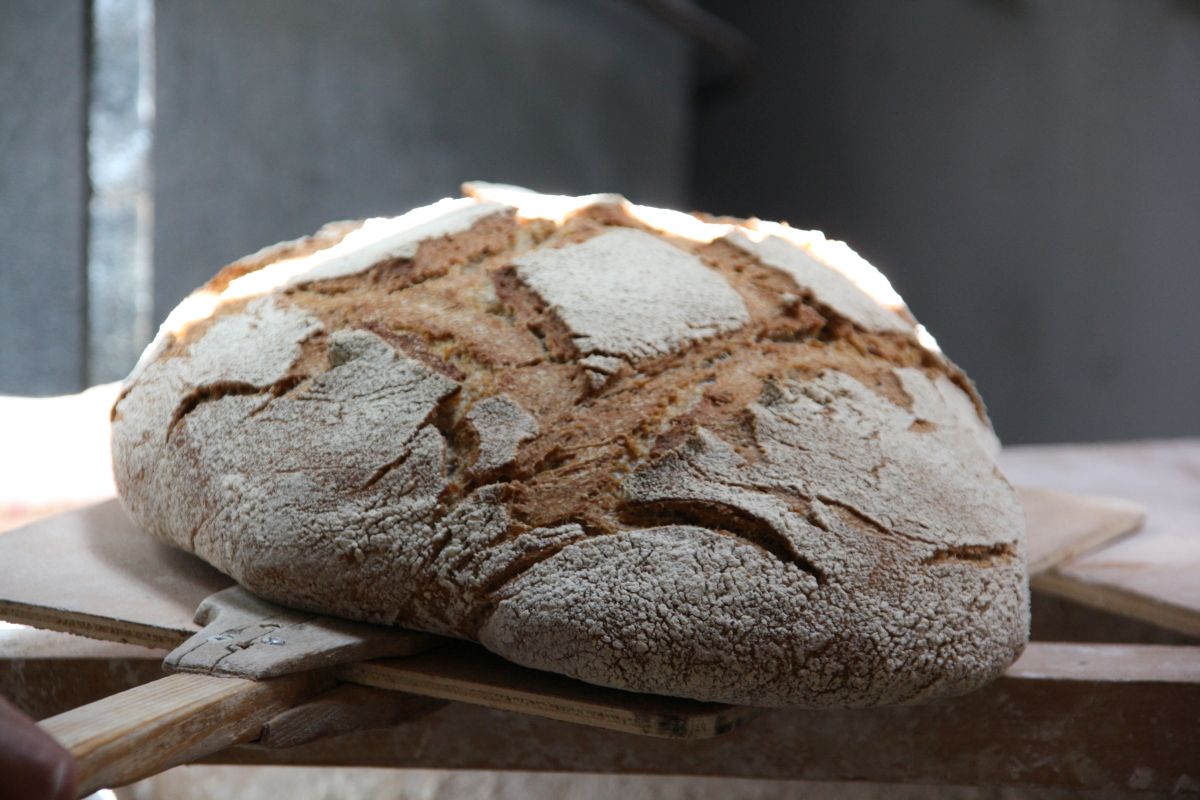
(1056, 619)
(1103, 664)
(174, 720)
(1054, 720)
(470, 674)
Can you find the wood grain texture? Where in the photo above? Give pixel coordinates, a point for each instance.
(173, 720)
(1151, 575)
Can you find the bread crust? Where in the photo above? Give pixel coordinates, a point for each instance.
(665, 453)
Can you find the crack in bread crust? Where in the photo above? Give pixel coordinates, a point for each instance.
(830, 482)
(215, 391)
(722, 518)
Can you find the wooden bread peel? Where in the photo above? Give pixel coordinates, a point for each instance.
(1063, 525)
(244, 636)
(93, 573)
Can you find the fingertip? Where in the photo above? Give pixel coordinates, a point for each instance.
(64, 782)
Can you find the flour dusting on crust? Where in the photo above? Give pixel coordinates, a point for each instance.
(650, 450)
(501, 426)
(627, 293)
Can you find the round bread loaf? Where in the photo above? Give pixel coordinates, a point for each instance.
(694, 456)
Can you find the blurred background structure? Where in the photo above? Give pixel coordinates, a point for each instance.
(1027, 172)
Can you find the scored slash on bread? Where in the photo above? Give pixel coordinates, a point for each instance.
(668, 453)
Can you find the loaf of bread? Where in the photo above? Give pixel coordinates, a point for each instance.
(694, 456)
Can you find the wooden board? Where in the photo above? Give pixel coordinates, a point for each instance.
(244, 636)
(1080, 716)
(67, 573)
(1063, 525)
(173, 720)
(1083, 716)
(94, 573)
(1029, 693)
(1153, 575)
(468, 673)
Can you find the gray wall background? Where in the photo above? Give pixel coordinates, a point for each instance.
(43, 195)
(1026, 171)
(275, 116)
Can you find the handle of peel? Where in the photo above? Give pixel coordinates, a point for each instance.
(174, 720)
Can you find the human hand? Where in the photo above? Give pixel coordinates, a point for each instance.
(32, 765)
